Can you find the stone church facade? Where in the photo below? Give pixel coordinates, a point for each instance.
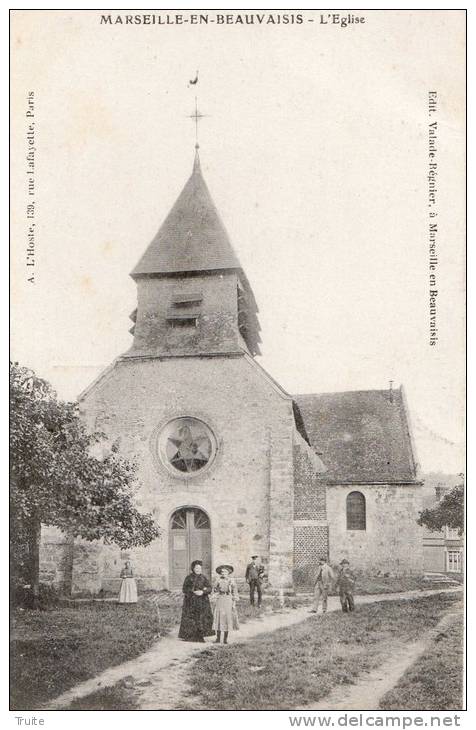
(230, 464)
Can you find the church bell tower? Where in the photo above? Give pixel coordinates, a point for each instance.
(193, 297)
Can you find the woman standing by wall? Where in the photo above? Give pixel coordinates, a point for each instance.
(128, 590)
(225, 616)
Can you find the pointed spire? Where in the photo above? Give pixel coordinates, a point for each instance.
(192, 238)
(196, 162)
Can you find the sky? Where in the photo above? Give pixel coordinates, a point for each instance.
(315, 150)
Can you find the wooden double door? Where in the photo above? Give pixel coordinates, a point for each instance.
(190, 538)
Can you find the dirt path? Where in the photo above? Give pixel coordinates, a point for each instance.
(368, 691)
(158, 689)
(366, 694)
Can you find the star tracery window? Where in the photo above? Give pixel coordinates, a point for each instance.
(187, 445)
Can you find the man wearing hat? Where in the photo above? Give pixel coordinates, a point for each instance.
(254, 576)
(323, 584)
(346, 583)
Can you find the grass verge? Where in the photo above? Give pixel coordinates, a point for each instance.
(301, 664)
(369, 585)
(435, 681)
(53, 650)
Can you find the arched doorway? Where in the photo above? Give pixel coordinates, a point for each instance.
(190, 538)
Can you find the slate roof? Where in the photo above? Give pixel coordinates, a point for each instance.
(192, 238)
(361, 436)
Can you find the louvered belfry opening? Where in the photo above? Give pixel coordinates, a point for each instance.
(248, 323)
(185, 309)
(133, 317)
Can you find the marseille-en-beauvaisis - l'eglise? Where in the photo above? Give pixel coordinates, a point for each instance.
(230, 464)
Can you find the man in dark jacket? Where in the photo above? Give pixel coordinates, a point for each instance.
(254, 576)
(346, 583)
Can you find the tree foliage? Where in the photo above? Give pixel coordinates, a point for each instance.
(449, 512)
(61, 475)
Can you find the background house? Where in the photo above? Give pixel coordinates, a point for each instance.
(443, 551)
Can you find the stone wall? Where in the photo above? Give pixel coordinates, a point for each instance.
(434, 556)
(309, 490)
(311, 536)
(247, 492)
(56, 558)
(281, 499)
(392, 540)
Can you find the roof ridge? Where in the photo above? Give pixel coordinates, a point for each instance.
(342, 392)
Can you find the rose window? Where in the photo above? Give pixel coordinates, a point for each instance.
(187, 445)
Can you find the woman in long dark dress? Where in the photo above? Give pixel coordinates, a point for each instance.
(197, 618)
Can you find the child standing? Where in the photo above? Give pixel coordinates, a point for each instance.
(346, 583)
(225, 617)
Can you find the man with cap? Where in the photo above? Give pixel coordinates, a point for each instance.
(323, 584)
(254, 575)
(346, 583)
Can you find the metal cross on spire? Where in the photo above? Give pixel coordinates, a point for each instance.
(197, 116)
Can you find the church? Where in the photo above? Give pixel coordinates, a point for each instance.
(230, 464)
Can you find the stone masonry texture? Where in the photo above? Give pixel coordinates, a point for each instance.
(391, 541)
(248, 490)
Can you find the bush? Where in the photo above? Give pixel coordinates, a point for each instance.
(22, 596)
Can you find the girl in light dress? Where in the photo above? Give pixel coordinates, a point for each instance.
(128, 591)
(225, 616)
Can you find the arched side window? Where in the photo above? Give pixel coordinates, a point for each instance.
(355, 508)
